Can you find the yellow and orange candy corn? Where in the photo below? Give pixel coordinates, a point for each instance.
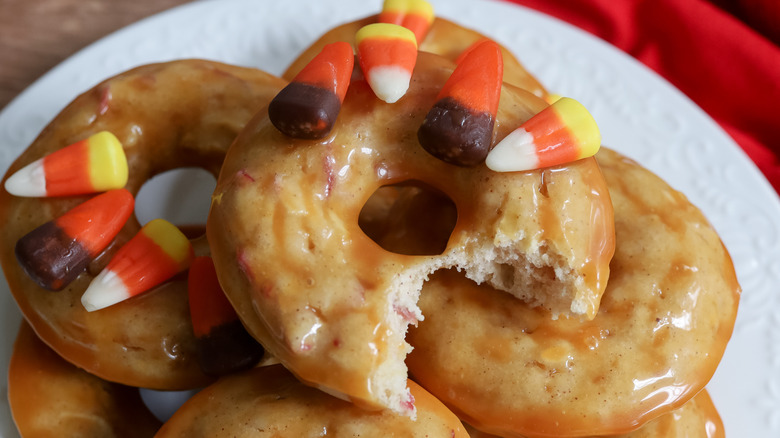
(224, 345)
(561, 133)
(154, 255)
(387, 54)
(415, 15)
(459, 127)
(95, 164)
(57, 252)
(308, 106)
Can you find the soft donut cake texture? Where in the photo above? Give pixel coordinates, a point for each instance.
(329, 302)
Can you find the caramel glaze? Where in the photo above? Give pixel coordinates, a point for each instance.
(270, 402)
(661, 330)
(316, 291)
(179, 114)
(444, 38)
(696, 419)
(49, 397)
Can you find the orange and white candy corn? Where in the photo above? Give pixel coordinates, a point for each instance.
(57, 252)
(95, 164)
(154, 255)
(387, 54)
(561, 133)
(415, 15)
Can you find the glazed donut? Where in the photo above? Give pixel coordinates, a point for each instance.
(696, 419)
(269, 402)
(661, 330)
(167, 116)
(333, 305)
(50, 397)
(444, 38)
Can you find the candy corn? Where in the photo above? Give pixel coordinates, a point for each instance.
(224, 346)
(308, 106)
(415, 15)
(387, 54)
(459, 127)
(95, 164)
(563, 132)
(155, 254)
(55, 253)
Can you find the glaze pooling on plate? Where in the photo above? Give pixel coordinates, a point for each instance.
(662, 129)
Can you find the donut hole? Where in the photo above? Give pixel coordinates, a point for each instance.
(180, 196)
(162, 404)
(410, 218)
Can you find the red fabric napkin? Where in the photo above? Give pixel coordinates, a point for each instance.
(729, 67)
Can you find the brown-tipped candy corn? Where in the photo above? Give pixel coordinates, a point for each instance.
(95, 164)
(563, 132)
(387, 54)
(55, 253)
(459, 127)
(154, 255)
(415, 15)
(308, 106)
(224, 345)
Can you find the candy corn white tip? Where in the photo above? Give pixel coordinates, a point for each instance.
(389, 83)
(516, 152)
(28, 181)
(105, 290)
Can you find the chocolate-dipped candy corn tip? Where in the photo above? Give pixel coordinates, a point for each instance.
(456, 135)
(561, 133)
(92, 165)
(459, 127)
(57, 252)
(308, 106)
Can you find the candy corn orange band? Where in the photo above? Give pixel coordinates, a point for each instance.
(415, 15)
(95, 164)
(97, 221)
(209, 307)
(387, 55)
(563, 132)
(155, 254)
(476, 81)
(331, 69)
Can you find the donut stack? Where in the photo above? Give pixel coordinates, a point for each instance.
(409, 237)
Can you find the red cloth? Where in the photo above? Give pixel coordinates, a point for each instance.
(730, 69)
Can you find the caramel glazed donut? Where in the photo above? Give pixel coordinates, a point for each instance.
(166, 116)
(51, 397)
(283, 229)
(662, 327)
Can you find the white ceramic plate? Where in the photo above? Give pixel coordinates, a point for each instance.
(639, 114)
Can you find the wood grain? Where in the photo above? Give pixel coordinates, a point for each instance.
(35, 35)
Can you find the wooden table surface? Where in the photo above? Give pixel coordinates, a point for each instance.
(36, 35)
